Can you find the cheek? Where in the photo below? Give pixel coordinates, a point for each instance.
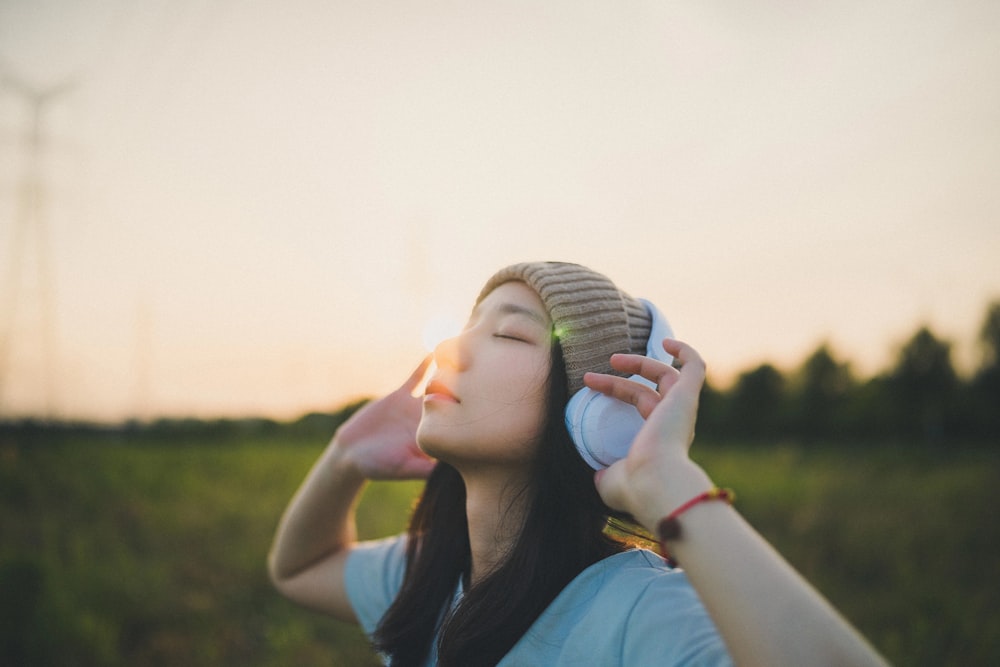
(517, 381)
(528, 400)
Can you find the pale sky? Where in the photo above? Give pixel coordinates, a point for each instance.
(257, 207)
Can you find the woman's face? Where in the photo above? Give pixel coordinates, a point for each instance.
(486, 403)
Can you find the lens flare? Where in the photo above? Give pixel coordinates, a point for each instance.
(438, 328)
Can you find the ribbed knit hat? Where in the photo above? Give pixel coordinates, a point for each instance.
(591, 317)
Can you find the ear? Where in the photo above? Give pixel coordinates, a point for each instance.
(602, 427)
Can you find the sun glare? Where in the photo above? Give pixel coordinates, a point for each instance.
(438, 328)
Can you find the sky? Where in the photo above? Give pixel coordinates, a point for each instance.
(260, 208)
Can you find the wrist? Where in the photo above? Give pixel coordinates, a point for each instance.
(342, 464)
(668, 528)
(680, 481)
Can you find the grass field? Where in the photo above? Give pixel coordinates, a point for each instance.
(117, 551)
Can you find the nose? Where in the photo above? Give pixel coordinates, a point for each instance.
(449, 353)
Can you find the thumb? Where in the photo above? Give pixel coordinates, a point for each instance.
(611, 485)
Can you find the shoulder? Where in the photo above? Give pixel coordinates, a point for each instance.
(666, 621)
(639, 580)
(373, 576)
(628, 609)
(629, 576)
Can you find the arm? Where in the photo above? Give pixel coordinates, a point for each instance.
(765, 611)
(317, 531)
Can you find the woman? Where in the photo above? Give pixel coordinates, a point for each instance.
(508, 558)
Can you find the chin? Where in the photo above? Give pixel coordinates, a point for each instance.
(428, 444)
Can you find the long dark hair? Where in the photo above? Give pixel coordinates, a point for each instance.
(563, 533)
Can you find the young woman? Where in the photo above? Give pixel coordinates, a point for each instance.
(509, 558)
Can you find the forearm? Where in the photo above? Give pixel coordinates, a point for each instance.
(765, 611)
(319, 520)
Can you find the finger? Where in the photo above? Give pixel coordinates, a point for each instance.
(418, 374)
(690, 379)
(652, 369)
(610, 481)
(639, 395)
(662, 374)
(692, 366)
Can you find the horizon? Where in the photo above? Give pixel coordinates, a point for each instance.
(786, 371)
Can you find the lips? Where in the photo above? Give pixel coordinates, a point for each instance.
(436, 389)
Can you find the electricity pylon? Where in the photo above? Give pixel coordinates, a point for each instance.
(30, 224)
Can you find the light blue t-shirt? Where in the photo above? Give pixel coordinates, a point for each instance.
(628, 609)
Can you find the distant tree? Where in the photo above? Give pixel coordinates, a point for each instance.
(757, 403)
(822, 385)
(872, 409)
(989, 338)
(712, 405)
(322, 425)
(923, 384)
(983, 404)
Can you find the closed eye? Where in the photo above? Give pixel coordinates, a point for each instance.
(509, 337)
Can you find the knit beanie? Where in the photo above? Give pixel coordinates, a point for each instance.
(592, 319)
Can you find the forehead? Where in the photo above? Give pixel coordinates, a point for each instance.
(515, 298)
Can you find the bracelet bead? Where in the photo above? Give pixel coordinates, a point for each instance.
(669, 528)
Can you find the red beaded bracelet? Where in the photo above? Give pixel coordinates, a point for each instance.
(670, 529)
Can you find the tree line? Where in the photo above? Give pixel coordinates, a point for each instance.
(920, 398)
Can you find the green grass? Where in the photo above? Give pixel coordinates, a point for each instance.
(902, 542)
(126, 552)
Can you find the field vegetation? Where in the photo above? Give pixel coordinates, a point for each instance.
(135, 549)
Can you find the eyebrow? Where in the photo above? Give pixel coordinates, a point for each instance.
(507, 308)
(514, 309)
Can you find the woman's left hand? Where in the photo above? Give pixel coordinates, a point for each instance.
(749, 590)
(657, 472)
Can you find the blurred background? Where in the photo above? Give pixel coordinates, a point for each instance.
(222, 224)
(223, 208)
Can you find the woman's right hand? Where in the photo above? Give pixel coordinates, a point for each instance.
(379, 440)
(317, 532)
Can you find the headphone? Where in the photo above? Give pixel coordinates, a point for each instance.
(603, 428)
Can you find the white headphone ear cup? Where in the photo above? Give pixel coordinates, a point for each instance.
(603, 428)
